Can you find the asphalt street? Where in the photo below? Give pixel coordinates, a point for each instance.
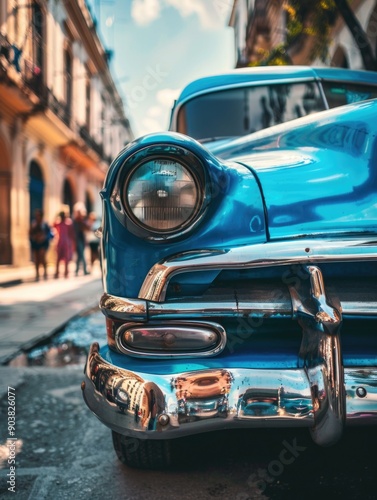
(52, 446)
(62, 451)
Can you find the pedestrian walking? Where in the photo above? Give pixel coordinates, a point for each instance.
(66, 242)
(81, 227)
(40, 236)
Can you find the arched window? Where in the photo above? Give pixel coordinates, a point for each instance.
(36, 188)
(5, 206)
(68, 195)
(68, 65)
(88, 202)
(339, 58)
(372, 30)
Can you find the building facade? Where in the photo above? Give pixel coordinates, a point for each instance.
(260, 25)
(343, 51)
(61, 117)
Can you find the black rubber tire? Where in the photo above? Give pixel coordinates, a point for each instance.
(142, 453)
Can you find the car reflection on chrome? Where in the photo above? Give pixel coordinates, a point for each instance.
(121, 396)
(297, 406)
(273, 402)
(195, 409)
(258, 403)
(202, 395)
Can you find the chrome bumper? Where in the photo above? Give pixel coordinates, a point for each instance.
(320, 393)
(170, 406)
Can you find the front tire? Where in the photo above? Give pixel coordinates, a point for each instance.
(142, 453)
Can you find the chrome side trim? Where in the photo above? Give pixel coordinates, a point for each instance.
(124, 309)
(175, 405)
(353, 308)
(225, 309)
(300, 251)
(320, 354)
(189, 327)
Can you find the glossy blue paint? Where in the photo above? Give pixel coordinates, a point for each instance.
(324, 161)
(327, 165)
(275, 256)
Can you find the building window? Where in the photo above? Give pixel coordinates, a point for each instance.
(103, 120)
(68, 195)
(16, 20)
(87, 101)
(37, 26)
(36, 188)
(68, 65)
(88, 202)
(5, 206)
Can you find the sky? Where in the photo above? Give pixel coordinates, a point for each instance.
(158, 47)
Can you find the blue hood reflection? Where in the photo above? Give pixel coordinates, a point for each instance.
(317, 175)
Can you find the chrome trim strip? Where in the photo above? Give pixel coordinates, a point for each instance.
(225, 309)
(320, 355)
(300, 251)
(124, 309)
(228, 398)
(353, 308)
(214, 351)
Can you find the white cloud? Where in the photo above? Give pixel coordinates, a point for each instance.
(109, 21)
(143, 12)
(155, 111)
(166, 97)
(211, 13)
(157, 116)
(150, 125)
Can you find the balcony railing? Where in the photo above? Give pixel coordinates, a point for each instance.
(61, 109)
(30, 76)
(92, 143)
(30, 72)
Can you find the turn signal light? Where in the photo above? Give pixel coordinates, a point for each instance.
(172, 340)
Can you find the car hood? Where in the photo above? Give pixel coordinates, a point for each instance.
(317, 174)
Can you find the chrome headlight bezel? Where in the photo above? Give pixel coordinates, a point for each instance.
(169, 154)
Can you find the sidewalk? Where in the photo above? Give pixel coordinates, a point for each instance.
(31, 311)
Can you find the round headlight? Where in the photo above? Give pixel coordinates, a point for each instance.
(162, 195)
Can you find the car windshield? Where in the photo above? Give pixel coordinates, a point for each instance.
(240, 111)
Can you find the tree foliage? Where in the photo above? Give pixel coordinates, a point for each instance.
(310, 23)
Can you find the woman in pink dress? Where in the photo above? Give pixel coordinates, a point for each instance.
(65, 246)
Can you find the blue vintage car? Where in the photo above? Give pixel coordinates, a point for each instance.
(239, 274)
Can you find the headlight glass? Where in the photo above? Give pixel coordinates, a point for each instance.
(162, 195)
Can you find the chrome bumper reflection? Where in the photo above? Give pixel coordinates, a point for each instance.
(169, 406)
(320, 394)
